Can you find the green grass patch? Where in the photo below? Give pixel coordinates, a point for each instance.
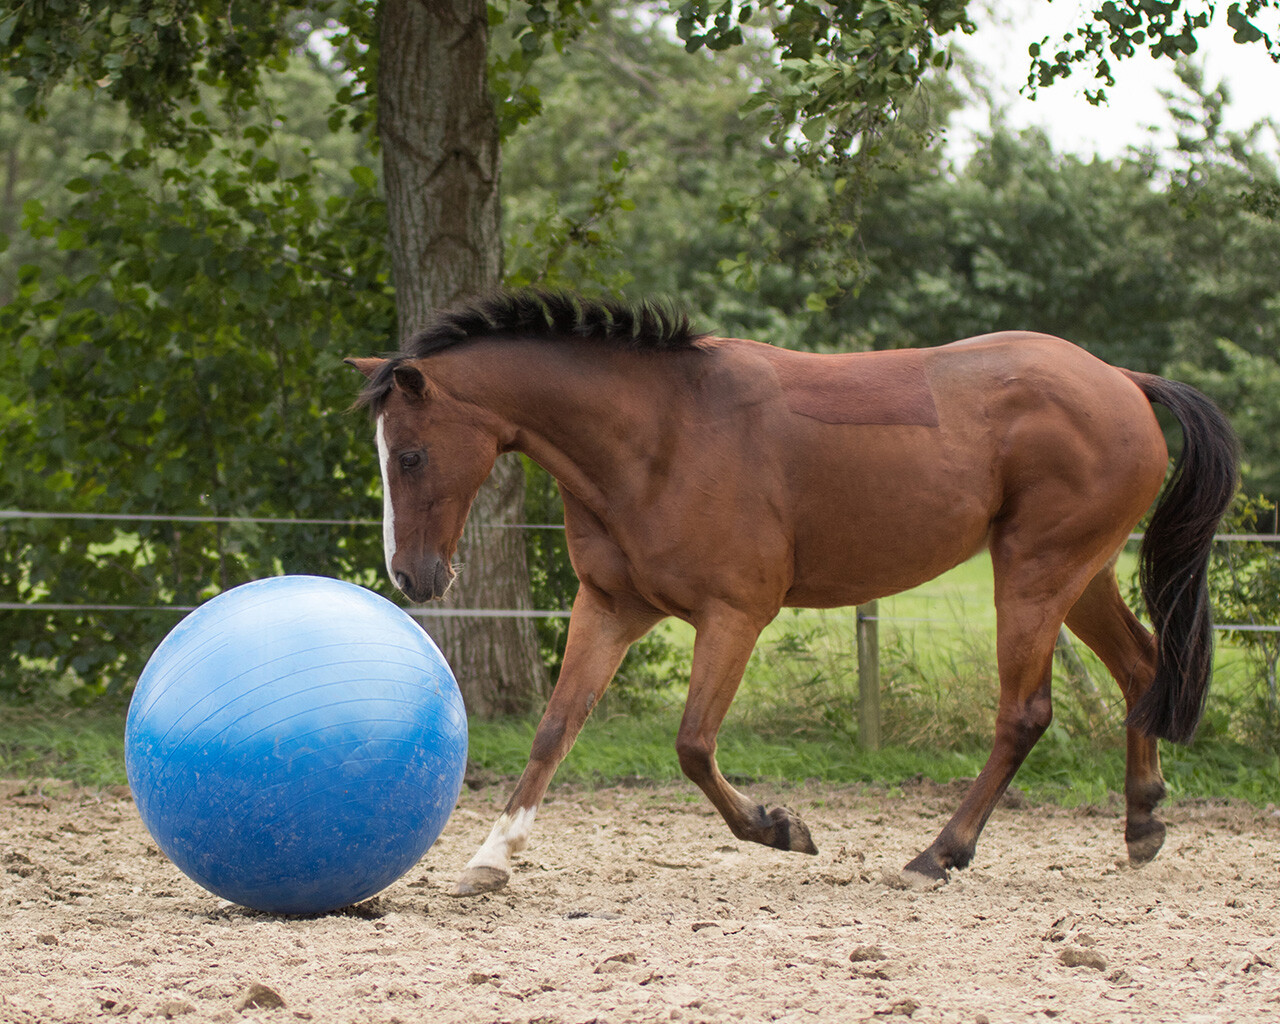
(78, 745)
(1060, 770)
(87, 747)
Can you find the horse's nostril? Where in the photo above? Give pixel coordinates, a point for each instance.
(403, 582)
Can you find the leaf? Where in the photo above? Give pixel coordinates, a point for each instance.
(364, 176)
(1245, 30)
(174, 240)
(71, 238)
(814, 128)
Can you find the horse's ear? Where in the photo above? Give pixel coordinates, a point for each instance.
(366, 366)
(410, 380)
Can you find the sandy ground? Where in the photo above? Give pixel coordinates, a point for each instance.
(637, 905)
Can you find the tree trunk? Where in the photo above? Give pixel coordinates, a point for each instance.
(440, 158)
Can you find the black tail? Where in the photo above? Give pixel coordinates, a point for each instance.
(1175, 560)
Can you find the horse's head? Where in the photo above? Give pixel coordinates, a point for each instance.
(434, 452)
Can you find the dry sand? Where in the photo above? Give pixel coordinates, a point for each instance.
(637, 905)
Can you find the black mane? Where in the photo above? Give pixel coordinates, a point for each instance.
(640, 327)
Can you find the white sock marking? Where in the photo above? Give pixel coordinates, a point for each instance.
(510, 834)
(388, 513)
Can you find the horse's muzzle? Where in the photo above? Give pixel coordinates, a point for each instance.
(427, 582)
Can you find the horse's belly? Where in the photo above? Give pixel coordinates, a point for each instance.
(887, 528)
(857, 581)
(837, 579)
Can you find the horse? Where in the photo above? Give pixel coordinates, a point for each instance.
(718, 480)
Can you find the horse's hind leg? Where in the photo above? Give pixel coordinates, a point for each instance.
(1025, 658)
(1104, 622)
(720, 653)
(1039, 574)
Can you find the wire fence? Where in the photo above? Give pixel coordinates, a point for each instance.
(426, 612)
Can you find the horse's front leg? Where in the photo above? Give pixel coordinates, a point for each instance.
(721, 650)
(600, 631)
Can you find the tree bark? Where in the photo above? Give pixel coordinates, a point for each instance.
(441, 158)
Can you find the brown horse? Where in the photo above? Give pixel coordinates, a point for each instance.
(719, 480)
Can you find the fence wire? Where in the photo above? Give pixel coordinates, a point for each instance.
(419, 611)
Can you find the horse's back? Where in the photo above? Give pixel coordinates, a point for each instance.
(995, 378)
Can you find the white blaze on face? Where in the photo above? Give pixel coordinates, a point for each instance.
(388, 513)
(510, 834)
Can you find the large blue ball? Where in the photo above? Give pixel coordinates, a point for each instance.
(296, 744)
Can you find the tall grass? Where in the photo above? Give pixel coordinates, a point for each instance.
(77, 744)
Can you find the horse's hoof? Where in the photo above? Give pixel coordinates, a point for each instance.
(1144, 842)
(790, 833)
(475, 881)
(924, 871)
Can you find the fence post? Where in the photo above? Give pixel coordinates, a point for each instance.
(869, 675)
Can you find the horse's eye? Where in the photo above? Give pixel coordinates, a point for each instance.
(410, 460)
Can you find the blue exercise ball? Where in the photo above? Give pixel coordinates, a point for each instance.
(296, 744)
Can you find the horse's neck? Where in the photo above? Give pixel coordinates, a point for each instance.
(579, 409)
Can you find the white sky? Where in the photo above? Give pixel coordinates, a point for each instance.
(1134, 103)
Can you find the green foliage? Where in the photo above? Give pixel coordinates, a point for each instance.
(513, 55)
(938, 680)
(550, 574)
(151, 55)
(715, 201)
(555, 248)
(178, 348)
(851, 95)
(1022, 238)
(847, 69)
(1117, 29)
(81, 746)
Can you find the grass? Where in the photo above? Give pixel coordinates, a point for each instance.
(87, 747)
(83, 746)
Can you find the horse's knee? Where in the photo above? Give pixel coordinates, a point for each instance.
(1038, 715)
(548, 741)
(696, 756)
(1023, 727)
